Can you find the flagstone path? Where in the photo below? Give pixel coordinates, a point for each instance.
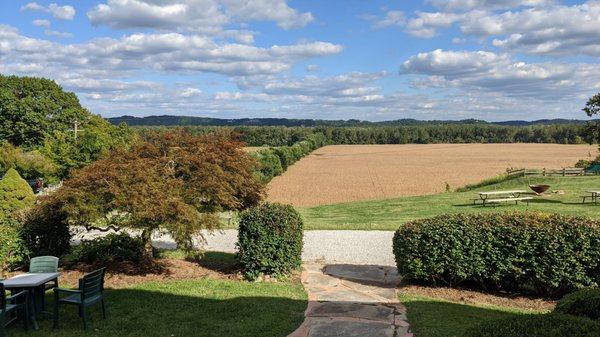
(352, 301)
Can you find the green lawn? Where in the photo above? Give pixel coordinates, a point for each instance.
(203, 307)
(390, 213)
(431, 317)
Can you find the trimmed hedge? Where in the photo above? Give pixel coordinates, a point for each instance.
(275, 160)
(552, 325)
(15, 193)
(269, 240)
(111, 248)
(549, 254)
(585, 303)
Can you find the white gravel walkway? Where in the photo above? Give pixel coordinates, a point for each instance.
(325, 246)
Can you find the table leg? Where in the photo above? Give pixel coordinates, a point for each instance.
(32, 308)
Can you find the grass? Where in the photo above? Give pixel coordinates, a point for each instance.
(430, 317)
(201, 307)
(389, 214)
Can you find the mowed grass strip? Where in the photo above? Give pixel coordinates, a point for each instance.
(389, 214)
(431, 317)
(203, 307)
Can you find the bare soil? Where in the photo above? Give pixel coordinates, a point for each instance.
(345, 173)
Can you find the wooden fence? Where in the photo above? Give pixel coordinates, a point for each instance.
(565, 171)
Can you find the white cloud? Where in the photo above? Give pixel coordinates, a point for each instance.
(55, 33)
(391, 18)
(41, 23)
(57, 11)
(501, 74)
(425, 24)
(62, 12)
(487, 4)
(205, 16)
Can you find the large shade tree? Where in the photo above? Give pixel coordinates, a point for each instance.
(173, 181)
(592, 108)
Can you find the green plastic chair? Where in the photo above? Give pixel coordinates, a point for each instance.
(12, 304)
(90, 292)
(43, 264)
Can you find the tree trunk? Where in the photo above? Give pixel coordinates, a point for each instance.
(147, 241)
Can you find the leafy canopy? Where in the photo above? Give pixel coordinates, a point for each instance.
(172, 181)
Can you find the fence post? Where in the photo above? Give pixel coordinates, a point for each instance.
(564, 171)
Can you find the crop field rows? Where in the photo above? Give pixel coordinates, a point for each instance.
(345, 173)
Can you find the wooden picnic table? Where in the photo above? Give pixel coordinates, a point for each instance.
(34, 284)
(593, 194)
(501, 196)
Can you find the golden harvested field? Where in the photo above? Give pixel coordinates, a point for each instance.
(343, 173)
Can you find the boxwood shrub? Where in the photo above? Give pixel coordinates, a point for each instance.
(551, 325)
(269, 240)
(110, 248)
(549, 254)
(585, 302)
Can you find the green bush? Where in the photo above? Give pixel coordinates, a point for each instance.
(269, 240)
(13, 253)
(15, 193)
(30, 164)
(45, 229)
(552, 325)
(585, 302)
(549, 254)
(111, 248)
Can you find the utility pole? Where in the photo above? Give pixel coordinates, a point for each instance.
(76, 129)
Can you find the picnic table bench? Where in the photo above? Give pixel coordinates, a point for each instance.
(592, 195)
(497, 197)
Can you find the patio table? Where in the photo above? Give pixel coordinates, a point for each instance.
(34, 284)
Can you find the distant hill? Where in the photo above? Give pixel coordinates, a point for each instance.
(168, 120)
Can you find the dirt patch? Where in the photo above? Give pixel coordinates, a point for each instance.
(344, 173)
(479, 298)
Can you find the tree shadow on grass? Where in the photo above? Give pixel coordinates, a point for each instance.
(430, 318)
(164, 311)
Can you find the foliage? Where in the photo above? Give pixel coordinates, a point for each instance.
(547, 253)
(45, 229)
(585, 303)
(486, 182)
(37, 114)
(174, 181)
(537, 326)
(31, 164)
(592, 107)
(12, 250)
(15, 193)
(416, 133)
(269, 240)
(107, 249)
(275, 160)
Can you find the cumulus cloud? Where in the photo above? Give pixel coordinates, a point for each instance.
(41, 23)
(390, 19)
(58, 12)
(207, 16)
(426, 24)
(501, 74)
(487, 4)
(56, 33)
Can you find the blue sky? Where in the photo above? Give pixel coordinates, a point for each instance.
(372, 60)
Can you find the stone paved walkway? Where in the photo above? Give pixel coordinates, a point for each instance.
(352, 301)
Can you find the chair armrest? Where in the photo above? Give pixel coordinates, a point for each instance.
(66, 291)
(22, 293)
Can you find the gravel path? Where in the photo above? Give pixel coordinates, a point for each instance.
(326, 246)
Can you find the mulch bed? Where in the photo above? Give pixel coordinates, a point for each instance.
(124, 274)
(479, 298)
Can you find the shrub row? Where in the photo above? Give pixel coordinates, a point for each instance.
(269, 240)
(551, 325)
(275, 160)
(548, 254)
